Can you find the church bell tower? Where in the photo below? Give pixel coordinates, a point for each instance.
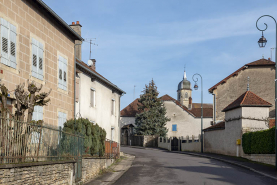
(184, 92)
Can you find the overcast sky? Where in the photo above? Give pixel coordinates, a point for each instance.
(143, 39)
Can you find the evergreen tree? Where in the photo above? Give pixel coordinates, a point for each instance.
(151, 120)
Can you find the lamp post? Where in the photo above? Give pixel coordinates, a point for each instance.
(262, 42)
(196, 87)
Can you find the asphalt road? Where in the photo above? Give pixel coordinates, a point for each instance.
(163, 167)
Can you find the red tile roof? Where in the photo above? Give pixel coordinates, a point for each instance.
(247, 99)
(205, 105)
(195, 112)
(131, 110)
(218, 126)
(261, 62)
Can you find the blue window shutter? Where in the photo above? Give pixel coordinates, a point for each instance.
(12, 46)
(40, 61)
(5, 42)
(60, 72)
(65, 74)
(34, 58)
(174, 127)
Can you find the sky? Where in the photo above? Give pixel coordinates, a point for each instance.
(141, 40)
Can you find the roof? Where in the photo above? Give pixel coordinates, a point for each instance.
(261, 62)
(218, 126)
(92, 72)
(205, 105)
(131, 110)
(195, 112)
(247, 99)
(59, 19)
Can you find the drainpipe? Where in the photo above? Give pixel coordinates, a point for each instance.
(75, 82)
(214, 108)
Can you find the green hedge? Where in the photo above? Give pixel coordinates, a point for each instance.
(260, 142)
(94, 136)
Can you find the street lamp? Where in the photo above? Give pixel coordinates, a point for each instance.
(262, 41)
(196, 87)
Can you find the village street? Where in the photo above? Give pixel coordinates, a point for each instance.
(155, 166)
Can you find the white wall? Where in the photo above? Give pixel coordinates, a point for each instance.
(186, 123)
(101, 113)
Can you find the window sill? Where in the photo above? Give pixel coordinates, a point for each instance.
(37, 80)
(8, 68)
(62, 91)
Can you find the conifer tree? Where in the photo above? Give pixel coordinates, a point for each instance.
(151, 120)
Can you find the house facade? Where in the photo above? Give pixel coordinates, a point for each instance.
(261, 75)
(97, 99)
(36, 44)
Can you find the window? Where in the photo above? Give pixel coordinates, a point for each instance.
(37, 59)
(186, 95)
(113, 107)
(92, 97)
(62, 73)
(8, 43)
(174, 127)
(38, 113)
(61, 118)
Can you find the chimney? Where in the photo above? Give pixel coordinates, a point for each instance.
(190, 103)
(269, 59)
(77, 28)
(91, 64)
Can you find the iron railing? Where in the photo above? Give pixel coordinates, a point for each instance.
(32, 142)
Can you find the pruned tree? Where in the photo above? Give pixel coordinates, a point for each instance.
(151, 120)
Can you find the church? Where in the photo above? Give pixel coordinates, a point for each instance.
(185, 116)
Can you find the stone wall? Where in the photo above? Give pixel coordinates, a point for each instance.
(261, 81)
(51, 173)
(144, 141)
(263, 158)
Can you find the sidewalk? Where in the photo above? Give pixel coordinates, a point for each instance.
(114, 172)
(260, 168)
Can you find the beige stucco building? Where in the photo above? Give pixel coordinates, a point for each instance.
(246, 113)
(261, 75)
(37, 44)
(98, 100)
(185, 116)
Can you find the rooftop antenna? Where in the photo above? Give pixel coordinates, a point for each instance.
(89, 40)
(248, 83)
(134, 91)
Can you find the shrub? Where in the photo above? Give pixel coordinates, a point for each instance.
(94, 136)
(260, 142)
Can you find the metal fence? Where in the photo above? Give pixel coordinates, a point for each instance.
(112, 149)
(30, 142)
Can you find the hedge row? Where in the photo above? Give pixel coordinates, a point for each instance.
(260, 142)
(94, 142)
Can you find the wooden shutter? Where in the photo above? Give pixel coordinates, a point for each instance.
(5, 42)
(65, 74)
(40, 61)
(60, 72)
(34, 58)
(12, 46)
(77, 89)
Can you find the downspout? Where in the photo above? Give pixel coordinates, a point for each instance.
(214, 108)
(75, 82)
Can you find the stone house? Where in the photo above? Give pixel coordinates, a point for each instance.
(261, 75)
(247, 113)
(185, 116)
(38, 45)
(97, 99)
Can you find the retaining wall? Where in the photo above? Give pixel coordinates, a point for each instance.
(263, 158)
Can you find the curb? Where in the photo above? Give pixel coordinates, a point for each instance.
(229, 162)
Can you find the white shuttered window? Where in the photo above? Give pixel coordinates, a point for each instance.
(37, 59)
(62, 73)
(92, 97)
(38, 113)
(8, 43)
(61, 118)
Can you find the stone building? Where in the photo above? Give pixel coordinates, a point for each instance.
(185, 116)
(36, 44)
(261, 75)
